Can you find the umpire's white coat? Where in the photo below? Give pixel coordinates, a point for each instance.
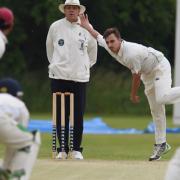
(71, 51)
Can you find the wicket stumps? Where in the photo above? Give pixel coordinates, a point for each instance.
(54, 118)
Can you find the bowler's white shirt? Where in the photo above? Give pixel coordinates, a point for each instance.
(3, 41)
(14, 108)
(136, 57)
(71, 51)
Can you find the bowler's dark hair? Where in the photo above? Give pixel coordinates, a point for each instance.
(110, 31)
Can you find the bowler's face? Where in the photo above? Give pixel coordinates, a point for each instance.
(71, 12)
(113, 43)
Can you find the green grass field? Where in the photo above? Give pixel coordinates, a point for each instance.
(117, 147)
(127, 150)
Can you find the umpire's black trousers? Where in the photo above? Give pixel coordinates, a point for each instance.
(79, 90)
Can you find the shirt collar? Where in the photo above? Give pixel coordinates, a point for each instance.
(3, 37)
(120, 53)
(73, 23)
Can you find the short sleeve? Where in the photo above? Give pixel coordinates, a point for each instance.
(135, 65)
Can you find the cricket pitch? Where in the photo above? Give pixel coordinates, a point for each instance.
(48, 169)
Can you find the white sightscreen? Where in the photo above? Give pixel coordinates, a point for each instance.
(176, 108)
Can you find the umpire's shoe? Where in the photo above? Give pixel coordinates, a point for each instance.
(76, 155)
(159, 150)
(62, 156)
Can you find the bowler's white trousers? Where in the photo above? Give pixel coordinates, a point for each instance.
(159, 92)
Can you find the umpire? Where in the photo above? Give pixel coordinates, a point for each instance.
(71, 52)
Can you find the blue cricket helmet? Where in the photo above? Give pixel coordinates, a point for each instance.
(11, 86)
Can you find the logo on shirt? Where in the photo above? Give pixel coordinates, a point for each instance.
(61, 42)
(157, 79)
(81, 44)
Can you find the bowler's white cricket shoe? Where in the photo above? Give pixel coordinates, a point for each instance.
(159, 150)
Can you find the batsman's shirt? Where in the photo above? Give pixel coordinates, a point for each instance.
(136, 57)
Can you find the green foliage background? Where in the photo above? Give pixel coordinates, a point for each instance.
(149, 22)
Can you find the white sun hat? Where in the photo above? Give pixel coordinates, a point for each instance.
(72, 3)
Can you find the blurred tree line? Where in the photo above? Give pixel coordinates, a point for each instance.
(149, 22)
